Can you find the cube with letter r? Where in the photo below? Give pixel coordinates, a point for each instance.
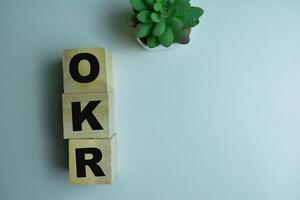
(92, 161)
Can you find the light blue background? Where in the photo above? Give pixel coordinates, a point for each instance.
(218, 119)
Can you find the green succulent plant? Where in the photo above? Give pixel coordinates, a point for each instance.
(163, 21)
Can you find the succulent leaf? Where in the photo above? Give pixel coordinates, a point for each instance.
(138, 5)
(155, 17)
(196, 12)
(150, 2)
(182, 36)
(182, 7)
(172, 12)
(142, 30)
(157, 7)
(189, 20)
(170, 1)
(175, 23)
(167, 38)
(159, 28)
(164, 14)
(144, 16)
(152, 41)
(160, 1)
(194, 22)
(182, 1)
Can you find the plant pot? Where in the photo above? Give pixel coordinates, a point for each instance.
(159, 47)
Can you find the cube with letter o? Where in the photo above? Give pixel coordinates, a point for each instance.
(87, 70)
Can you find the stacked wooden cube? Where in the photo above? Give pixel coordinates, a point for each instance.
(88, 115)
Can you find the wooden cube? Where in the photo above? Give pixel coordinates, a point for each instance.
(92, 161)
(88, 115)
(87, 70)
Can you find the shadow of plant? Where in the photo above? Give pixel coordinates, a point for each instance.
(122, 33)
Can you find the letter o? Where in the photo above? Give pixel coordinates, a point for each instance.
(94, 65)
